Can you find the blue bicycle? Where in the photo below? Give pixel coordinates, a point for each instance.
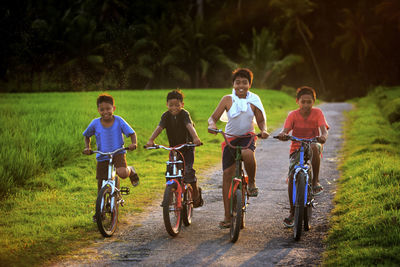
(303, 198)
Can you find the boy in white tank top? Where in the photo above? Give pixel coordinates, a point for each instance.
(241, 107)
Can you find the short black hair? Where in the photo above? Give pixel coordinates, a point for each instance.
(104, 97)
(175, 94)
(243, 72)
(305, 90)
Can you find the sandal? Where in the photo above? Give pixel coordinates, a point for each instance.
(224, 224)
(289, 221)
(133, 177)
(252, 192)
(199, 201)
(317, 190)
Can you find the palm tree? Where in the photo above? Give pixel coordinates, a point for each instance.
(293, 11)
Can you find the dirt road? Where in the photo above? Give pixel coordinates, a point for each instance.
(264, 241)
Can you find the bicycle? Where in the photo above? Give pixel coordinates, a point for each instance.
(238, 194)
(177, 203)
(109, 197)
(303, 199)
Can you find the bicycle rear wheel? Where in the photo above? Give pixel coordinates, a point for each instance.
(236, 216)
(187, 206)
(299, 205)
(171, 212)
(106, 211)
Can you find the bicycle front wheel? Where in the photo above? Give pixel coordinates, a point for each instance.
(106, 212)
(236, 216)
(171, 211)
(308, 209)
(187, 211)
(299, 205)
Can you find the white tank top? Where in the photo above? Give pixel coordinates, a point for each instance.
(241, 124)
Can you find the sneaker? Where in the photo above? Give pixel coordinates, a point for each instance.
(133, 177)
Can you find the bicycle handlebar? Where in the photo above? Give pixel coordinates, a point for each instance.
(171, 148)
(293, 138)
(109, 153)
(252, 135)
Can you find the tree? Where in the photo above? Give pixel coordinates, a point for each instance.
(292, 12)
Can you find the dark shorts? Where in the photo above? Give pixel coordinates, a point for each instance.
(229, 154)
(119, 160)
(190, 173)
(294, 158)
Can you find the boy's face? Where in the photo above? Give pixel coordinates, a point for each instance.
(241, 86)
(174, 106)
(106, 110)
(305, 102)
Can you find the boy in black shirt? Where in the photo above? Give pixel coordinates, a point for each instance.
(180, 130)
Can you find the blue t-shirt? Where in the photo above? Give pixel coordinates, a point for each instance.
(111, 138)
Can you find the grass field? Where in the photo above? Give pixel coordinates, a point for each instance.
(365, 226)
(47, 186)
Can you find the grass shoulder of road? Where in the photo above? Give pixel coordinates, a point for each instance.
(365, 223)
(48, 213)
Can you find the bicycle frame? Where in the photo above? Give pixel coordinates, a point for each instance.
(111, 172)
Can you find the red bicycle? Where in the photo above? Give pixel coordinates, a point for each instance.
(238, 195)
(178, 201)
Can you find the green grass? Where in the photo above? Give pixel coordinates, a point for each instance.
(48, 187)
(365, 223)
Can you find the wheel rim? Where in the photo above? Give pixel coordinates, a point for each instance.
(174, 213)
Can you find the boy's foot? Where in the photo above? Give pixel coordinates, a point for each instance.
(289, 221)
(199, 201)
(133, 177)
(252, 191)
(224, 224)
(317, 190)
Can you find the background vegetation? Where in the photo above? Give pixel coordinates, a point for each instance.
(48, 185)
(365, 226)
(341, 47)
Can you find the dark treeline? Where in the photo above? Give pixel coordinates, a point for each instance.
(341, 47)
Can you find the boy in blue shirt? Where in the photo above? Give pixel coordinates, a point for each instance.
(180, 130)
(109, 130)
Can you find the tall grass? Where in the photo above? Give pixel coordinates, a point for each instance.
(365, 224)
(50, 185)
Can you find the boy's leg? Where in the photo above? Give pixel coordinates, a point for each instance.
(315, 162)
(190, 176)
(250, 165)
(226, 184)
(101, 173)
(123, 170)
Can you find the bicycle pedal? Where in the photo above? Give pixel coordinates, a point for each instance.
(122, 202)
(125, 190)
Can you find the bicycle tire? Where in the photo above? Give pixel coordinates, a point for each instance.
(244, 199)
(187, 206)
(299, 205)
(308, 209)
(236, 216)
(171, 213)
(106, 218)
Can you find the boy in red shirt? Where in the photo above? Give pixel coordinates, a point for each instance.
(305, 122)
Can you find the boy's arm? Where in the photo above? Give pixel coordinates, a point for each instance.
(193, 133)
(212, 121)
(133, 146)
(156, 133)
(87, 146)
(324, 134)
(262, 125)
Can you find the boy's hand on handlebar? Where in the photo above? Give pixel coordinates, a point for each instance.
(321, 139)
(283, 136)
(132, 147)
(211, 128)
(87, 151)
(149, 144)
(264, 135)
(197, 142)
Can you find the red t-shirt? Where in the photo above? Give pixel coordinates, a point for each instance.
(304, 128)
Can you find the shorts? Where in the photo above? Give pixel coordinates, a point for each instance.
(229, 154)
(294, 158)
(119, 160)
